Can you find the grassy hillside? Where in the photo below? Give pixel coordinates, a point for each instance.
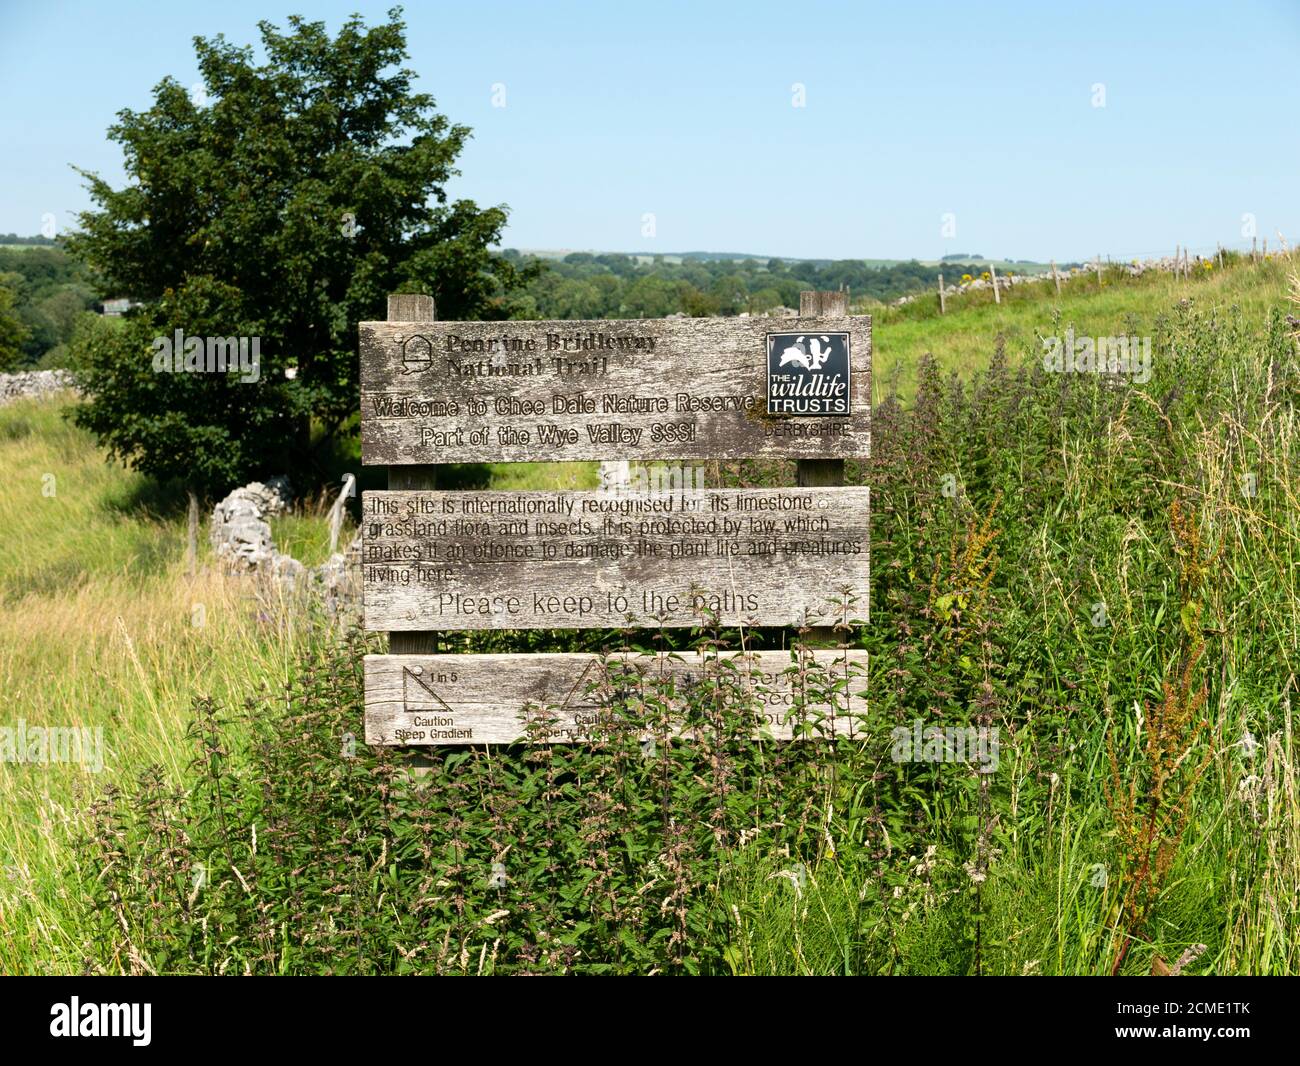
(965, 337)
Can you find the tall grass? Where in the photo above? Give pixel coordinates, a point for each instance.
(102, 626)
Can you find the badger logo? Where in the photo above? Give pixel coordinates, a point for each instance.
(810, 357)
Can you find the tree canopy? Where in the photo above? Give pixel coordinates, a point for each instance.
(281, 200)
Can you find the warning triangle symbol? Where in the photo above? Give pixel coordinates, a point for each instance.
(578, 695)
(418, 693)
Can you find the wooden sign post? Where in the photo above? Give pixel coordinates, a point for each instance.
(672, 556)
(403, 308)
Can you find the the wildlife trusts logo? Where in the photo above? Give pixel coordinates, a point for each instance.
(808, 373)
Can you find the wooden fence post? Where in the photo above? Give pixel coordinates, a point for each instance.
(941, 303)
(814, 473)
(1218, 251)
(1056, 278)
(1097, 263)
(993, 276)
(412, 308)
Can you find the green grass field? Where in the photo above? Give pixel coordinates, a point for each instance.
(104, 627)
(963, 339)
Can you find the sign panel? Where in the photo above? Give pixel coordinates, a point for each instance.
(674, 388)
(809, 374)
(488, 699)
(602, 560)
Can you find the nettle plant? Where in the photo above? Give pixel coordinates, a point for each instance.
(319, 854)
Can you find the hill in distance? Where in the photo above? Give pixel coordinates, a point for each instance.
(1022, 266)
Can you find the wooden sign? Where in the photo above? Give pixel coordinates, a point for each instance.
(675, 388)
(488, 699)
(599, 560)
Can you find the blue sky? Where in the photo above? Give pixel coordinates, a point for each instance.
(913, 111)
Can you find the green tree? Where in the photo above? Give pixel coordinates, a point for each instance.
(764, 300)
(12, 331)
(695, 303)
(730, 293)
(281, 201)
(650, 297)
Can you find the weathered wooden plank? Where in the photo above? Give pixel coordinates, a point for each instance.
(720, 388)
(487, 699)
(598, 560)
(411, 307)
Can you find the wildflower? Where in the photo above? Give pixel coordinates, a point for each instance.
(974, 873)
(1248, 744)
(498, 877)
